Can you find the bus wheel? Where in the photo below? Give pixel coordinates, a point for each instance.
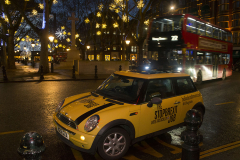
(199, 78)
(224, 75)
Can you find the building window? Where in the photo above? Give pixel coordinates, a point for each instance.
(114, 32)
(107, 32)
(223, 24)
(133, 48)
(91, 57)
(114, 48)
(223, 18)
(107, 57)
(224, 7)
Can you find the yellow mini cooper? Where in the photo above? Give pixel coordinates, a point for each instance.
(126, 108)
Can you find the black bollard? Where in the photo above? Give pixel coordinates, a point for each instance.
(191, 136)
(73, 72)
(96, 77)
(51, 67)
(31, 146)
(5, 79)
(41, 73)
(120, 68)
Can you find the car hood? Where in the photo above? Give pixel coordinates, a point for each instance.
(83, 105)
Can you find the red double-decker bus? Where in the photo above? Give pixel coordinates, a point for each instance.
(191, 45)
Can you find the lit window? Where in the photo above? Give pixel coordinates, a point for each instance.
(114, 48)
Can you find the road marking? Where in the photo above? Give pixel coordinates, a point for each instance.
(2, 133)
(77, 154)
(131, 157)
(147, 149)
(176, 149)
(223, 103)
(218, 149)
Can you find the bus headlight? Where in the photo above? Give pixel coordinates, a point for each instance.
(147, 67)
(91, 123)
(179, 69)
(59, 106)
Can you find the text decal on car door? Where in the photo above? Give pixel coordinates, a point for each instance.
(165, 114)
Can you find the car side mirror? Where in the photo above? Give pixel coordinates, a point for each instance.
(155, 100)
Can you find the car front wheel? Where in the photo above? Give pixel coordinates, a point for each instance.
(114, 144)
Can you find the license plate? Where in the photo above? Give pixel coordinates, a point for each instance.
(63, 133)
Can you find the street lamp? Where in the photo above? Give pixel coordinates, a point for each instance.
(127, 42)
(33, 45)
(51, 38)
(88, 47)
(26, 59)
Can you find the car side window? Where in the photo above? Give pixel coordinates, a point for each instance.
(159, 88)
(184, 86)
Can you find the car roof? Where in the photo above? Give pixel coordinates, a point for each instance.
(154, 75)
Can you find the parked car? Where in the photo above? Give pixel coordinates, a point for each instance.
(126, 108)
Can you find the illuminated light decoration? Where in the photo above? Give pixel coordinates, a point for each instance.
(87, 20)
(49, 46)
(15, 32)
(64, 32)
(69, 33)
(117, 10)
(7, 2)
(99, 14)
(23, 39)
(37, 39)
(56, 46)
(60, 45)
(30, 39)
(41, 5)
(55, 41)
(34, 12)
(125, 18)
(140, 4)
(60, 34)
(6, 20)
(98, 33)
(33, 39)
(80, 40)
(97, 25)
(55, 1)
(22, 19)
(104, 25)
(53, 48)
(76, 36)
(36, 44)
(64, 46)
(146, 22)
(18, 46)
(27, 36)
(18, 39)
(100, 7)
(62, 27)
(26, 0)
(68, 40)
(115, 25)
(112, 6)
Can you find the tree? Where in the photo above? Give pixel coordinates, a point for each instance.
(42, 32)
(10, 21)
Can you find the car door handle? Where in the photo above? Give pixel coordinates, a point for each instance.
(176, 102)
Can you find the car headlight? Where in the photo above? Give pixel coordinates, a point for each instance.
(59, 106)
(147, 67)
(179, 69)
(92, 123)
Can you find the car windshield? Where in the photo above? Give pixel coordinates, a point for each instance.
(121, 88)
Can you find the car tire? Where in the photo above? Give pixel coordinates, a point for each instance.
(114, 144)
(224, 75)
(199, 78)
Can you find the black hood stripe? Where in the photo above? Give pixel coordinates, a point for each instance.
(76, 100)
(89, 113)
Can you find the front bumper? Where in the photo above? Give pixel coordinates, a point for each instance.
(89, 145)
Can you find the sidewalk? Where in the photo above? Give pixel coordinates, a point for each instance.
(26, 73)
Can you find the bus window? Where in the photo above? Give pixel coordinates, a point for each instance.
(224, 36)
(225, 58)
(229, 37)
(216, 33)
(191, 25)
(208, 58)
(201, 28)
(167, 24)
(208, 30)
(220, 59)
(199, 58)
(189, 58)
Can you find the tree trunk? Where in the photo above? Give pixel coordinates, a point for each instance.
(11, 59)
(4, 58)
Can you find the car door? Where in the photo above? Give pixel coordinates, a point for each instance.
(163, 115)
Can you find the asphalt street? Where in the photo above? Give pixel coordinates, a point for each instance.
(29, 106)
